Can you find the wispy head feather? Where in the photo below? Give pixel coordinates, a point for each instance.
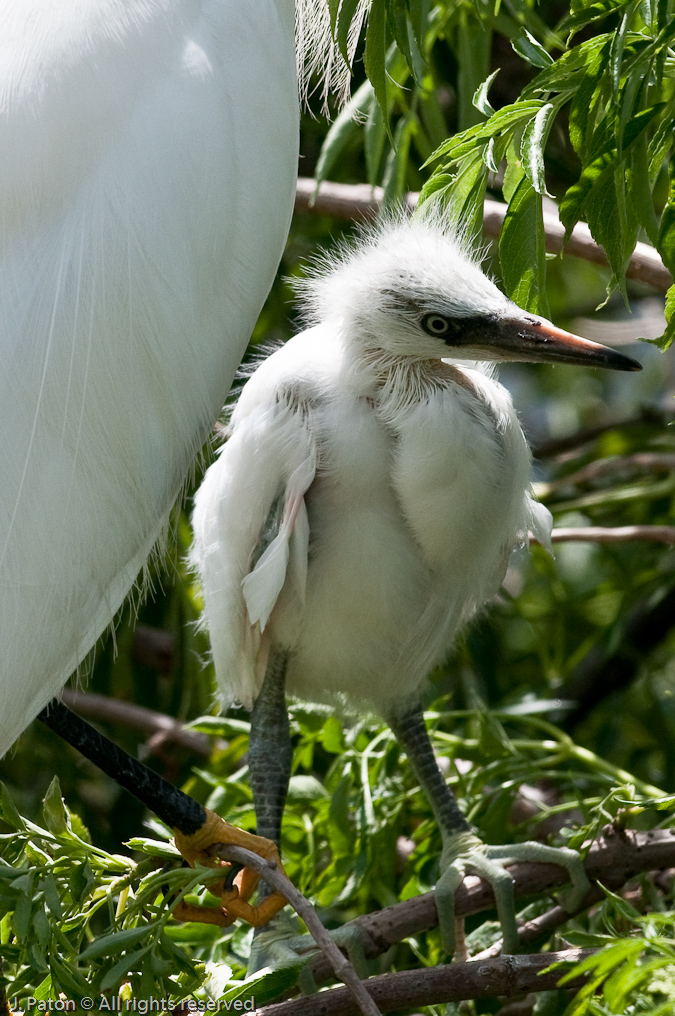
(426, 258)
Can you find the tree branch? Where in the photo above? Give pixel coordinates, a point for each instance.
(613, 860)
(454, 982)
(111, 710)
(614, 534)
(278, 880)
(360, 201)
(654, 415)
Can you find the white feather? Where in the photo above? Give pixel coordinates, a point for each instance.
(148, 157)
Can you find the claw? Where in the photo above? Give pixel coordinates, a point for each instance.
(465, 854)
(234, 890)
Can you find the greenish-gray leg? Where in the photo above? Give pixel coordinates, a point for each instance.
(270, 753)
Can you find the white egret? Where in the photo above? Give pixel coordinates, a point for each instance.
(364, 506)
(148, 157)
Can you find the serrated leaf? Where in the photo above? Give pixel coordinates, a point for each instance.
(375, 52)
(522, 249)
(527, 47)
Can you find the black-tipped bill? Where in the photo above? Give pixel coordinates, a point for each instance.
(536, 340)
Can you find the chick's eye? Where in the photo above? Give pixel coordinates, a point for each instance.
(435, 324)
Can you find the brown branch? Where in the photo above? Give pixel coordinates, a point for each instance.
(654, 415)
(360, 201)
(278, 880)
(639, 462)
(111, 710)
(454, 982)
(613, 534)
(613, 860)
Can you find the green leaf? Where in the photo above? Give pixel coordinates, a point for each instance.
(527, 47)
(480, 96)
(341, 133)
(398, 27)
(666, 340)
(123, 965)
(583, 104)
(394, 178)
(666, 235)
(116, 942)
(48, 886)
(640, 190)
(8, 810)
(345, 18)
(374, 136)
(522, 251)
(332, 736)
(418, 12)
(54, 811)
(533, 144)
(474, 44)
(375, 52)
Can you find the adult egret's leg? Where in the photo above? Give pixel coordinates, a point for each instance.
(195, 828)
(463, 852)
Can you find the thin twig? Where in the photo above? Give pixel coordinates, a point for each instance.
(647, 415)
(276, 878)
(613, 534)
(453, 982)
(640, 462)
(149, 721)
(360, 201)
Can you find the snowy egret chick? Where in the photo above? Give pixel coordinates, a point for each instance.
(371, 490)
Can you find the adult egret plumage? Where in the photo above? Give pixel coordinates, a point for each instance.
(148, 156)
(364, 507)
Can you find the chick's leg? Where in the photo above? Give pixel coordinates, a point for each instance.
(269, 757)
(463, 852)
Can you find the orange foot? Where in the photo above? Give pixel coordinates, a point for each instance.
(233, 901)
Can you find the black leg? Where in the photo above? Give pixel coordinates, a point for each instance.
(168, 802)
